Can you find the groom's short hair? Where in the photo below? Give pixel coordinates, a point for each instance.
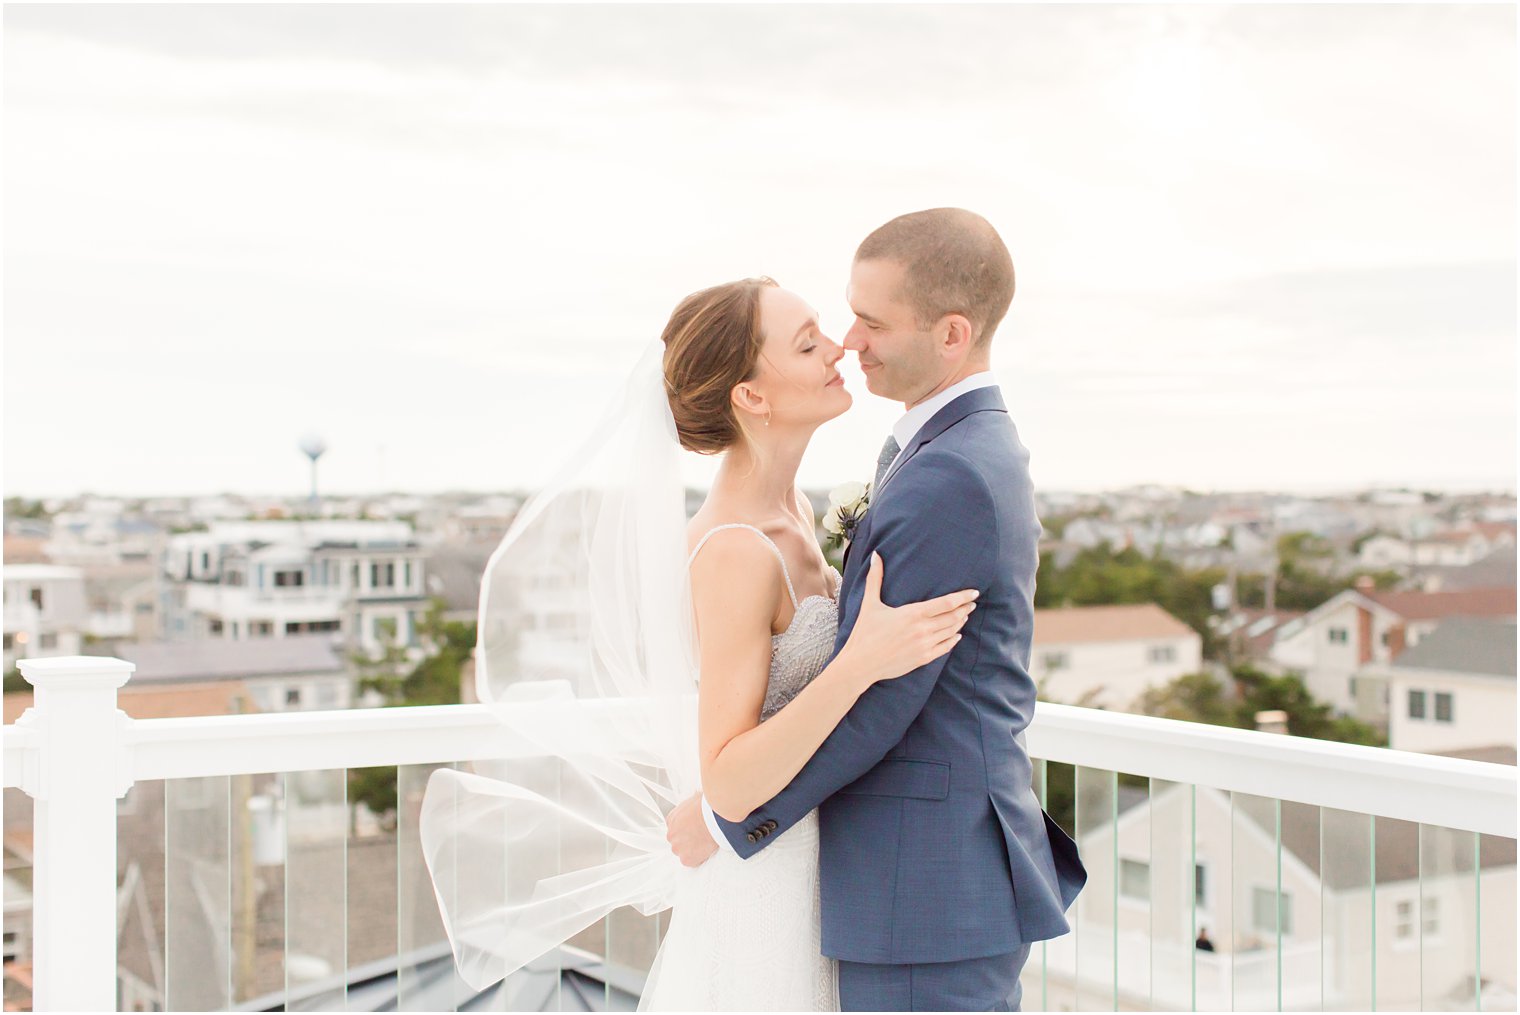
(953, 261)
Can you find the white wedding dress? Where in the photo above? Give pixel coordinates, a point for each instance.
(744, 934)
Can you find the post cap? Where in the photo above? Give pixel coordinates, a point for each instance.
(76, 671)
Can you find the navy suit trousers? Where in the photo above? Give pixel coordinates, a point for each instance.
(986, 984)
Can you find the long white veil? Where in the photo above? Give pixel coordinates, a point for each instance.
(586, 654)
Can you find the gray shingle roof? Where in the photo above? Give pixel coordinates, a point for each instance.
(168, 661)
(1465, 645)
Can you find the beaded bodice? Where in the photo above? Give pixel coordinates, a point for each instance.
(799, 653)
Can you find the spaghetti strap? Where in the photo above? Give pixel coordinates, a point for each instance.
(768, 541)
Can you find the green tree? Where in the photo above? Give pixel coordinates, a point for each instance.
(433, 681)
(1199, 697)
(1102, 576)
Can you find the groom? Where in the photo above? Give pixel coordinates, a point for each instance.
(938, 866)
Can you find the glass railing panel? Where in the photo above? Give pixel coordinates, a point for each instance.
(197, 894)
(370, 899)
(1097, 907)
(316, 889)
(1264, 908)
(1033, 979)
(140, 829)
(1213, 897)
(426, 976)
(1060, 986)
(1300, 952)
(1396, 870)
(631, 942)
(1132, 908)
(258, 896)
(1443, 920)
(1346, 910)
(1172, 883)
(1496, 923)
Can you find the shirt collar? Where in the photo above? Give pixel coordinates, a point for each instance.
(905, 429)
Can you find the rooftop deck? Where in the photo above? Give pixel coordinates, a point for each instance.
(1326, 876)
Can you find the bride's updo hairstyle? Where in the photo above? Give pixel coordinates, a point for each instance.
(712, 343)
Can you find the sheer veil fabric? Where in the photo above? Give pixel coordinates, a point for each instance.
(586, 655)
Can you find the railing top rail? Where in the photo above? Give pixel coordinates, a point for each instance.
(1449, 792)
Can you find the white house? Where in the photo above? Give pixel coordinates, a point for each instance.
(1332, 644)
(1454, 690)
(1309, 908)
(1107, 656)
(45, 611)
(279, 674)
(272, 579)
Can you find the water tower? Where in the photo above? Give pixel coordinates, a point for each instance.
(313, 447)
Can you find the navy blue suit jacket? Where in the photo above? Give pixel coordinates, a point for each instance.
(933, 847)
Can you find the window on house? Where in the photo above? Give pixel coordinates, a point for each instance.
(1056, 660)
(260, 628)
(289, 579)
(385, 629)
(1135, 879)
(12, 953)
(292, 696)
(1163, 653)
(1339, 636)
(1416, 704)
(1443, 706)
(382, 576)
(214, 626)
(1264, 901)
(1403, 920)
(406, 581)
(10, 642)
(1351, 687)
(205, 562)
(1430, 916)
(36, 597)
(354, 583)
(48, 640)
(1200, 885)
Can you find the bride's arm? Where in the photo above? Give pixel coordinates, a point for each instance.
(735, 584)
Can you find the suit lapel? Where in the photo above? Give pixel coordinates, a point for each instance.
(981, 400)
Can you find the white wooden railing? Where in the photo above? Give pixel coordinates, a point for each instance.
(75, 754)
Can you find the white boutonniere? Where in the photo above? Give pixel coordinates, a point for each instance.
(847, 506)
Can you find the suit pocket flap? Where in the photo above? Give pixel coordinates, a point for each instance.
(923, 780)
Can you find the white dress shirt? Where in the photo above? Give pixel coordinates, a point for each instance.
(903, 431)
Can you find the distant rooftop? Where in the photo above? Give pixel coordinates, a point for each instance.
(169, 661)
(1073, 625)
(1465, 645)
(41, 572)
(1490, 602)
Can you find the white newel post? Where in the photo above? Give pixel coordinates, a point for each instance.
(82, 767)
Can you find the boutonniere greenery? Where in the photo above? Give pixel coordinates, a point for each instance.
(847, 506)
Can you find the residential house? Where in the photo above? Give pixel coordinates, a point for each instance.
(1362, 626)
(1307, 908)
(274, 579)
(1108, 656)
(45, 613)
(1454, 690)
(293, 674)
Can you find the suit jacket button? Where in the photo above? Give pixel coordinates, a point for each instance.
(770, 826)
(753, 837)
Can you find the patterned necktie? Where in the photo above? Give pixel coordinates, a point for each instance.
(884, 461)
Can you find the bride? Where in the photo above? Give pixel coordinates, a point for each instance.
(738, 604)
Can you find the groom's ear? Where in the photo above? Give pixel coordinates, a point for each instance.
(956, 336)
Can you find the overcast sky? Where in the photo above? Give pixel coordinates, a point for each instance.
(1257, 247)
